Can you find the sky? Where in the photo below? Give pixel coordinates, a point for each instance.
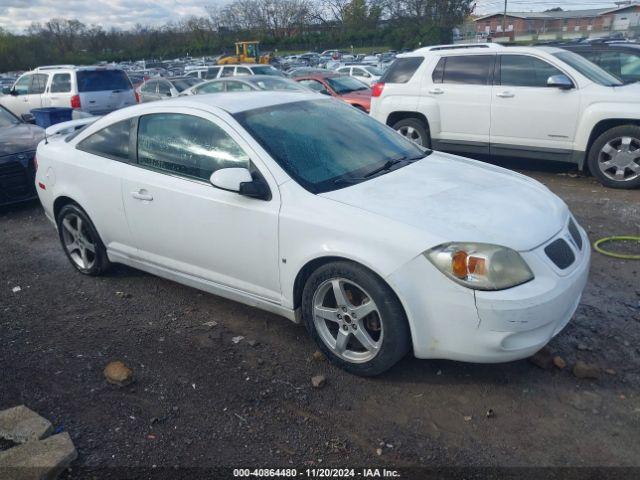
(16, 15)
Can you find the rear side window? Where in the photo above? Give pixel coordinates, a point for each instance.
(525, 71)
(102, 80)
(438, 72)
(111, 142)
(212, 73)
(469, 69)
(61, 83)
(243, 71)
(402, 70)
(186, 145)
(38, 83)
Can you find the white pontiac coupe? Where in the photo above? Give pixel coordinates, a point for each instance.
(308, 208)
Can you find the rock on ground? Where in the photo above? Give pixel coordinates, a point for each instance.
(21, 424)
(40, 459)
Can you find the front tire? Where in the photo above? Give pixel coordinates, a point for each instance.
(415, 130)
(80, 241)
(614, 158)
(355, 318)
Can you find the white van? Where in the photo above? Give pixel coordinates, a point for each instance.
(94, 90)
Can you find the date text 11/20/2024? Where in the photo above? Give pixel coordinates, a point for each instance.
(316, 473)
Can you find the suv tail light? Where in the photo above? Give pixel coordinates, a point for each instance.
(75, 101)
(35, 163)
(376, 89)
(135, 92)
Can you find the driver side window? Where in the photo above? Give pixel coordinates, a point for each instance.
(186, 145)
(22, 85)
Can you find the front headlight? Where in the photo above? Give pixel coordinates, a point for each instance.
(480, 266)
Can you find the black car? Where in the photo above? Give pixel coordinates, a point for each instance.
(620, 59)
(18, 142)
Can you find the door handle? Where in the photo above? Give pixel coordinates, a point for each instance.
(436, 91)
(142, 195)
(505, 95)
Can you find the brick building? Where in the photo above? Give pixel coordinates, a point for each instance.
(623, 19)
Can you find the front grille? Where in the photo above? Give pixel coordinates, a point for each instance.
(560, 253)
(11, 168)
(575, 234)
(16, 182)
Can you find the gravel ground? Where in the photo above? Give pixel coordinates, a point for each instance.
(199, 399)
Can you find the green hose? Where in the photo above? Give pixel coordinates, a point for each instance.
(623, 256)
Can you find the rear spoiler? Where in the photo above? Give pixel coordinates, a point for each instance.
(68, 127)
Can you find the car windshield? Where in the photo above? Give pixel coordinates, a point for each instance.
(327, 144)
(342, 85)
(266, 71)
(7, 119)
(184, 83)
(588, 69)
(101, 80)
(275, 84)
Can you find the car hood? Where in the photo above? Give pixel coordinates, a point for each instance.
(19, 138)
(455, 199)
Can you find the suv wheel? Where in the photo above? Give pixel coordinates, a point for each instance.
(355, 318)
(81, 241)
(415, 130)
(614, 158)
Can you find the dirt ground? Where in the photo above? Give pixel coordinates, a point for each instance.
(199, 399)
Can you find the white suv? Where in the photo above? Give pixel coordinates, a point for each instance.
(95, 90)
(528, 102)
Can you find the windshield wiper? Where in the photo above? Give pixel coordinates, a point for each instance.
(388, 165)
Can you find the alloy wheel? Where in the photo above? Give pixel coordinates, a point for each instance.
(411, 133)
(78, 241)
(619, 159)
(347, 320)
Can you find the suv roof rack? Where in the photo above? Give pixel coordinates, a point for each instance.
(458, 46)
(53, 67)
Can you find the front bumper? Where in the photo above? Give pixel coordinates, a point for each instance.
(450, 321)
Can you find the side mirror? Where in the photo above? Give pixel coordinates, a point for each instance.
(14, 92)
(239, 180)
(324, 91)
(560, 81)
(28, 118)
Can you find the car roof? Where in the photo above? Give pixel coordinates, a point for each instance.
(480, 50)
(232, 102)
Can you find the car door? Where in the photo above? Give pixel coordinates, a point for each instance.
(181, 223)
(17, 101)
(59, 91)
(460, 86)
(528, 117)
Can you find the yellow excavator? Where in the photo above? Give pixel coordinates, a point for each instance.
(246, 52)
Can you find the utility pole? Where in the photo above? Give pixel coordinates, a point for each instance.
(504, 19)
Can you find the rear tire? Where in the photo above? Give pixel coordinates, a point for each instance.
(81, 242)
(415, 130)
(614, 157)
(355, 318)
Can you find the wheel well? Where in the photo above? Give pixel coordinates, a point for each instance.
(59, 203)
(395, 117)
(304, 274)
(604, 125)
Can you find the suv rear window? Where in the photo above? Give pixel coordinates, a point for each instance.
(100, 80)
(401, 70)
